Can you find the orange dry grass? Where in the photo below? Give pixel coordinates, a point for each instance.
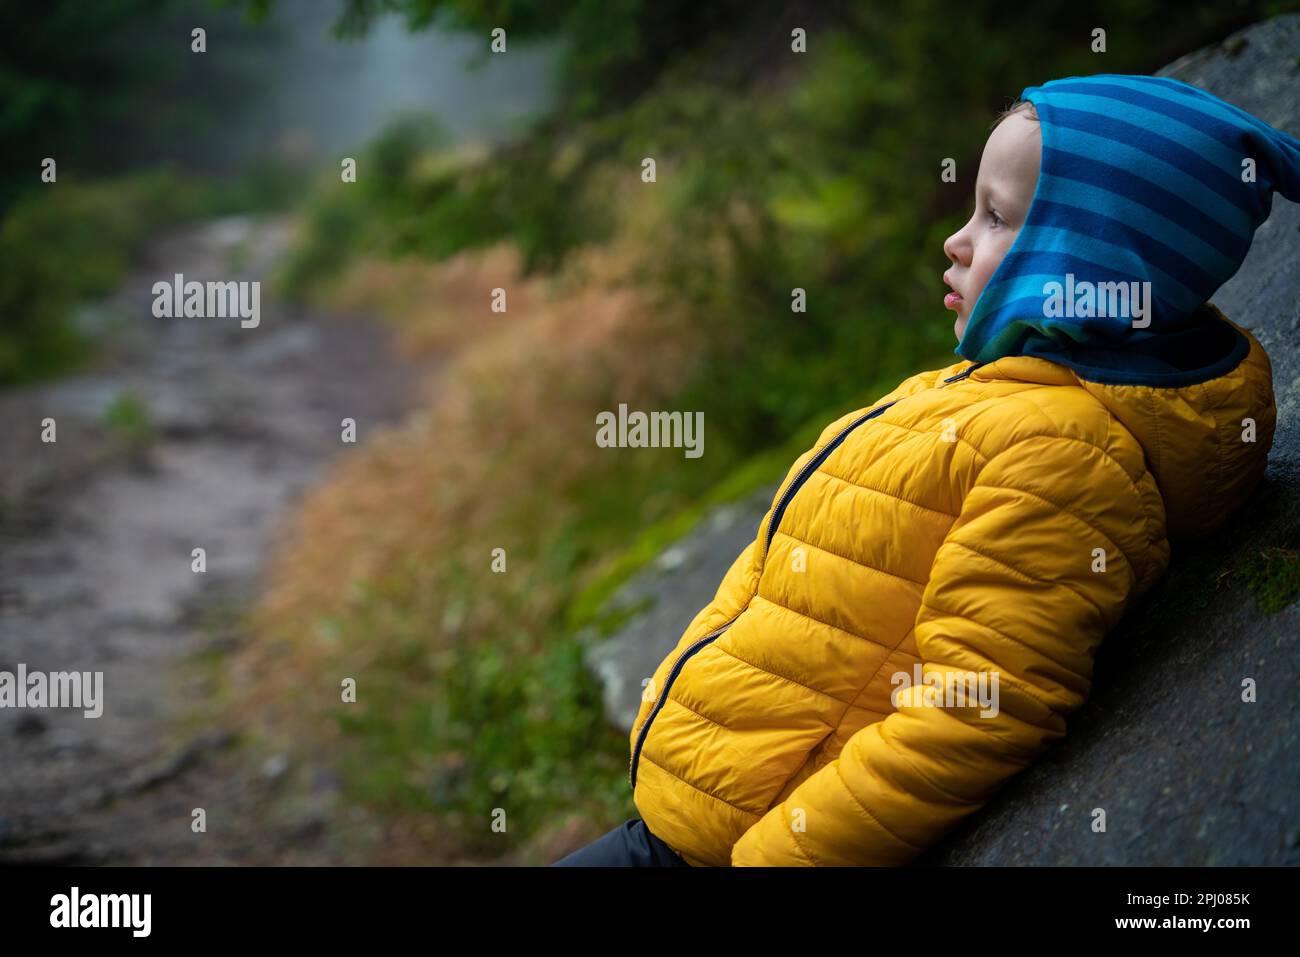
(436, 309)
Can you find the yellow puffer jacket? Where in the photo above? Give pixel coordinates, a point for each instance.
(990, 519)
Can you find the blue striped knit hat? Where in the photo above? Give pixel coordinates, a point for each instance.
(1143, 179)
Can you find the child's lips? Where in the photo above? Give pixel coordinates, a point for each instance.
(950, 301)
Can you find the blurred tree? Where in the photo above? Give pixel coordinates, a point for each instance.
(101, 86)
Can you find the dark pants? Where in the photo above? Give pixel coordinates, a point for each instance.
(629, 845)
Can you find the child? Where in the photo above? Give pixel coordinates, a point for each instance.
(919, 611)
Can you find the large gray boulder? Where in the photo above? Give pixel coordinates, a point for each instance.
(1185, 771)
(660, 600)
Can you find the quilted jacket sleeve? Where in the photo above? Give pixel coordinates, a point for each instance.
(1016, 594)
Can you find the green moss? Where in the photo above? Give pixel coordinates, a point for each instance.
(1273, 577)
(588, 607)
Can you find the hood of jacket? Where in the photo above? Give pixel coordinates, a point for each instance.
(1148, 197)
(1206, 442)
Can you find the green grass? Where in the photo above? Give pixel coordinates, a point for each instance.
(128, 421)
(472, 726)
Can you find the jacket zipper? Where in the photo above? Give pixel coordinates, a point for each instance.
(811, 466)
(772, 524)
(824, 454)
(663, 698)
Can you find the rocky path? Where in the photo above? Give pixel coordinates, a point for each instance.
(187, 433)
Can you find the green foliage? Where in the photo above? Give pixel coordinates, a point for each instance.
(471, 726)
(414, 195)
(73, 241)
(74, 76)
(58, 247)
(404, 201)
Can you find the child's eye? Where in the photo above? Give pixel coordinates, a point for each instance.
(995, 219)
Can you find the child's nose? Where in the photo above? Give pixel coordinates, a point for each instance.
(955, 248)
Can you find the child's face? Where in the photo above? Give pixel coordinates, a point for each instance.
(1003, 191)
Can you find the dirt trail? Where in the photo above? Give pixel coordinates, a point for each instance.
(95, 563)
